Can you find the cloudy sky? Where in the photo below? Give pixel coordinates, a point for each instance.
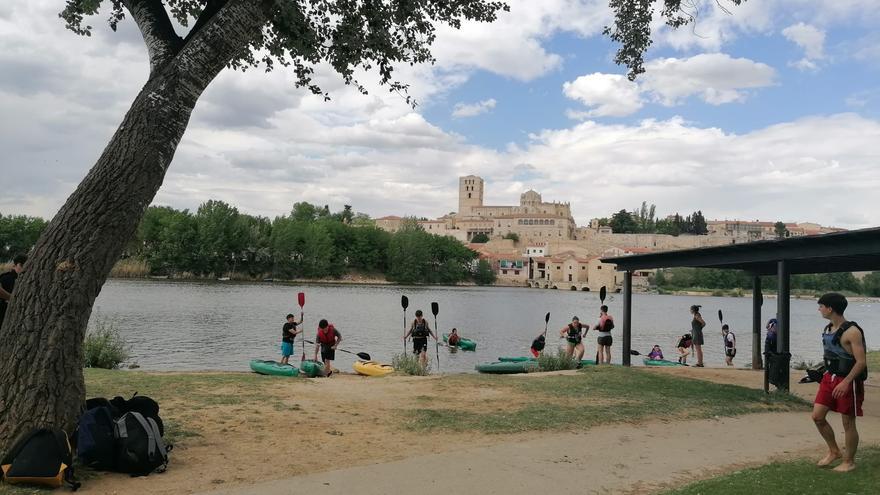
(770, 112)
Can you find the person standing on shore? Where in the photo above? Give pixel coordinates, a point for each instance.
(842, 388)
(420, 330)
(697, 324)
(770, 339)
(288, 335)
(729, 344)
(574, 334)
(604, 340)
(7, 283)
(327, 340)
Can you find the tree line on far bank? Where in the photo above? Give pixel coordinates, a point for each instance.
(717, 279)
(310, 242)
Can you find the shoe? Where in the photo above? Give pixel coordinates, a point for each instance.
(699, 366)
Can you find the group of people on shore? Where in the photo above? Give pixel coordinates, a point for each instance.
(574, 334)
(327, 340)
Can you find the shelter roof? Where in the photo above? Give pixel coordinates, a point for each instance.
(856, 250)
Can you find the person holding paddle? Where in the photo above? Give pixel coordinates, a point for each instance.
(604, 340)
(420, 330)
(327, 340)
(729, 344)
(288, 334)
(574, 334)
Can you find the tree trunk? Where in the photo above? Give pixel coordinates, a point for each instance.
(41, 355)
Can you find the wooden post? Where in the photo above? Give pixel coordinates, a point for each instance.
(627, 317)
(783, 314)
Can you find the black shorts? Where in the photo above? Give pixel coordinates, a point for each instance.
(419, 345)
(605, 340)
(730, 352)
(328, 353)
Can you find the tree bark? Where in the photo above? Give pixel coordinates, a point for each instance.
(41, 355)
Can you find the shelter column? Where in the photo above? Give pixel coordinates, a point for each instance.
(627, 317)
(783, 315)
(757, 300)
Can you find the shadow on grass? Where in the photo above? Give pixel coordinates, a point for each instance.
(795, 478)
(599, 396)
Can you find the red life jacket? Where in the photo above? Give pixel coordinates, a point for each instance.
(327, 336)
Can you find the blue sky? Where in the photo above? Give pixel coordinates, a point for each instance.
(759, 115)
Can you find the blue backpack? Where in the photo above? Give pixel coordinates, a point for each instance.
(96, 439)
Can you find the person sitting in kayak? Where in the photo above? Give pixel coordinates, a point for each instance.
(327, 340)
(656, 353)
(574, 333)
(538, 345)
(453, 339)
(288, 334)
(420, 330)
(684, 345)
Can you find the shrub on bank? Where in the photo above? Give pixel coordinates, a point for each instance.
(409, 364)
(104, 347)
(549, 362)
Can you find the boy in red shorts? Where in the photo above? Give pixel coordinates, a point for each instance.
(842, 387)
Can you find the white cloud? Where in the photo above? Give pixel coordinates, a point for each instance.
(716, 78)
(610, 95)
(464, 110)
(811, 39)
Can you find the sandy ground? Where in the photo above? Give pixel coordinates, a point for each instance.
(293, 446)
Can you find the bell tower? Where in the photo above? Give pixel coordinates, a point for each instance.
(470, 194)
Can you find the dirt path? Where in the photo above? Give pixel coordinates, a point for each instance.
(613, 459)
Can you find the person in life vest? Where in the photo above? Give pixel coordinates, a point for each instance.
(684, 346)
(697, 324)
(420, 330)
(453, 339)
(327, 340)
(538, 345)
(842, 388)
(574, 333)
(288, 334)
(656, 353)
(729, 344)
(604, 340)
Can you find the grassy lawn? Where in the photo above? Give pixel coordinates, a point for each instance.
(595, 396)
(873, 362)
(794, 478)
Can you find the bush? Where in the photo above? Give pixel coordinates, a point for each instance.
(484, 274)
(549, 362)
(409, 364)
(802, 365)
(480, 239)
(104, 347)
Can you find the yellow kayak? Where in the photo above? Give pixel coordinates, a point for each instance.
(372, 368)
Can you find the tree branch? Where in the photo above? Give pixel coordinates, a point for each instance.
(159, 36)
(211, 8)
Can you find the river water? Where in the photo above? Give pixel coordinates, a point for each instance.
(174, 325)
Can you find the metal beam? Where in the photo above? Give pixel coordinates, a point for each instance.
(627, 318)
(783, 305)
(757, 299)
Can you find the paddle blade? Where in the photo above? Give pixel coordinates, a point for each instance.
(547, 318)
(634, 352)
(364, 356)
(404, 302)
(435, 308)
(302, 299)
(602, 293)
(720, 316)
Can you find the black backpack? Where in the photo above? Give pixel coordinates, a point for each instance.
(96, 438)
(144, 405)
(41, 456)
(140, 449)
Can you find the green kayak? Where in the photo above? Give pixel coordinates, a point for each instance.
(516, 359)
(660, 362)
(273, 368)
(522, 365)
(312, 368)
(463, 343)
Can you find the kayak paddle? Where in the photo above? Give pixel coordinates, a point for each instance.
(404, 302)
(302, 302)
(362, 355)
(435, 308)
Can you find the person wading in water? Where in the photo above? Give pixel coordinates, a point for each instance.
(420, 330)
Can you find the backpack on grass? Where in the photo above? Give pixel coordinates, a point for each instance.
(140, 449)
(96, 438)
(41, 457)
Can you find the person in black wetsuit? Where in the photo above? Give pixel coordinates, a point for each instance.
(420, 330)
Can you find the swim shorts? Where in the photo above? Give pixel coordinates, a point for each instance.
(851, 402)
